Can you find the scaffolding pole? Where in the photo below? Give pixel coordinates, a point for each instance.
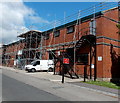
(74, 39)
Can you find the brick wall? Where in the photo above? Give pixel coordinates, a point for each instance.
(106, 33)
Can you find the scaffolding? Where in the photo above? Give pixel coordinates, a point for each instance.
(32, 40)
(33, 45)
(25, 50)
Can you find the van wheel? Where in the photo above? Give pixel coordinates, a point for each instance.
(33, 70)
(50, 69)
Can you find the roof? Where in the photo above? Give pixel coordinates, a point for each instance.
(74, 22)
(83, 19)
(33, 32)
(110, 9)
(16, 42)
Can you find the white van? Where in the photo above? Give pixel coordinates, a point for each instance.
(39, 65)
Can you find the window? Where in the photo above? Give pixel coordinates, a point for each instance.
(47, 36)
(82, 59)
(52, 55)
(57, 33)
(93, 27)
(37, 62)
(34, 63)
(37, 55)
(70, 29)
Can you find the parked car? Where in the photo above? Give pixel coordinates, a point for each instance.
(40, 65)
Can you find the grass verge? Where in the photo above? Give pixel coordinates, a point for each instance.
(104, 84)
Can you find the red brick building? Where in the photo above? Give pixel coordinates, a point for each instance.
(92, 41)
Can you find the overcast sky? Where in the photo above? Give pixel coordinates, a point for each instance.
(18, 17)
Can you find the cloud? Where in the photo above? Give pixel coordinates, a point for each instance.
(36, 19)
(13, 20)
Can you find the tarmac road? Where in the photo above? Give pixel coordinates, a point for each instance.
(14, 90)
(21, 87)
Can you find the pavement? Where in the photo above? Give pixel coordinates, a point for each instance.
(57, 78)
(102, 89)
(44, 75)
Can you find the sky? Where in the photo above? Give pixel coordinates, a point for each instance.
(19, 17)
(51, 11)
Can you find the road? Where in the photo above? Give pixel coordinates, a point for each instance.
(20, 87)
(14, 90)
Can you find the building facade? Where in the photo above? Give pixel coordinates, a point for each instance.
(92, 41)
